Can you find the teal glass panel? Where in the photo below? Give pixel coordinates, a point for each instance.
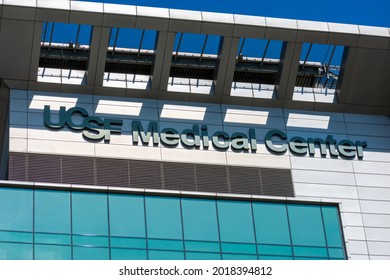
(238, 248)
(128, 254)
(332, 226)
(238, 257)
(165, 255)
(275, 250)
(88, 253)
(336, 253)
(89, 213)
(165, 244)
(13, 236)
(300, 251)
(271, 223)
(202, 256)
(306, 225)
(52, 252)
(261, 257)
(100, 241)
(135, 243)
(16, 208)
(235, 221)
(127, 215)
(16, 251)
(52, 211)
(61, 239)
(200, 219)
(163, 217)
(202, 246)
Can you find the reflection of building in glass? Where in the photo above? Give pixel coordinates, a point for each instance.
(145, 133)
(123, 226)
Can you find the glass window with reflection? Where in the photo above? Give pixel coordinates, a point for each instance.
(163, 217)
(235, 221)
(52, 211)
(89, 213)
(16, 209)
(306, 225)
(127, 215)
(200, 219)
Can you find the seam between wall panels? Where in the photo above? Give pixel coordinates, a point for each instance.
(361, 214)
(182, 229)
(229, 185)
(357, 192)
(289, 155)
(108, 226)
(71, 225)
(157, 108)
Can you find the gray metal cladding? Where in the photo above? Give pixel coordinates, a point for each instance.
(276, 182)
(244, 180)
(178, 176)
(112, 172)
(44, 168)
(150, 174)
(145, 174)
(211, 177)
(17, 167)
(78, 170)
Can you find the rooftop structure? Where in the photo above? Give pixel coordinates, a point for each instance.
(228, 75)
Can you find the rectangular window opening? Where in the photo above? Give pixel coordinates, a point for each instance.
(64, 53)
(318, 73)
(256, 68)
(194, 60)
(130, 57)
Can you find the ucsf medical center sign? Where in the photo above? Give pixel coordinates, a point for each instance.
(95, 128)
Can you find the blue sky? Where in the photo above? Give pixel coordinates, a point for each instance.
(374, 12)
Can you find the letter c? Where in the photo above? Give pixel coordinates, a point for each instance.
(270, 146)
(71, 112)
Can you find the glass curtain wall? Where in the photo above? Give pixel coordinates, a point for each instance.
(53, 224)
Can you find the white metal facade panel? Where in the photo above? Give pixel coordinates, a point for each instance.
(362, 187)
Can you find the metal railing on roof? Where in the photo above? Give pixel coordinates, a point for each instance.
(185, 65)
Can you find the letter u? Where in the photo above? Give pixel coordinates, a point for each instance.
(47, 118)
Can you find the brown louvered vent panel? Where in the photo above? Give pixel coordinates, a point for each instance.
(211, 178)
(17, 167)
(44, 168)
(112, 172)
(178, 176)
(277, 182)
(145, 174)
(244, 180)
(150, 174)
(78, 170)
